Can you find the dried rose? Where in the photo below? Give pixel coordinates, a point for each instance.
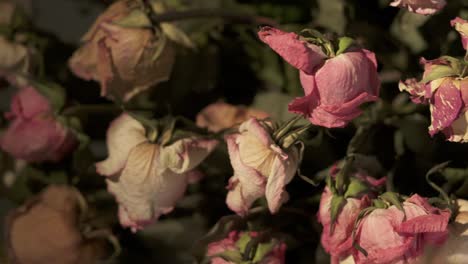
(146, 178)
(334, 85)
(261, 167)
(393, 236)
(124, 59)
(46, 230)
(34, 134)
(447, 94)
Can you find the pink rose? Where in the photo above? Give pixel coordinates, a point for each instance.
(339, 242)
(236, 243)
(147, 179)
(334, 87)
(423, 7)
(391, 236)
(218, 116)
(261, 168)
(34, 134)
(448, 99)
(461, 26)
(125, 60)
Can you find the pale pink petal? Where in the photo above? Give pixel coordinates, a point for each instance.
(282, 172)
(186, 154)
(246, 185)
(123, 135)
(296, 52)
(145, 190)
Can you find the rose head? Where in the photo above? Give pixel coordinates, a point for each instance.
(147, 179)
(46, 230)
(339, 242)
(218, 116)
(422, 7)
(125, 60)
(336, 235)
(34, 134)
(447, 97)
(392, 236)
(231, 249)
(261, 167)
(461, 26)
(334, 87)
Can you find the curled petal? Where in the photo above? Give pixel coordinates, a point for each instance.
(422, 7)
(461, 26)
(282, 172)
(123, 135)
(246, 185)
(446, 107)
(186, 154)
(298, 53)
(145, 190)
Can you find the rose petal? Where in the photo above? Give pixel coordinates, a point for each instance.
(296, 52)
(123, 135)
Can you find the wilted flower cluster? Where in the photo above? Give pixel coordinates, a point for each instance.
(167, 167)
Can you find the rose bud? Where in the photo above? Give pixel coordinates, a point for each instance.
(261, 167)
(335, 84)
(218, 116)
(124, 58)
(46, 229)
(231, 250)
(34, 134)
(461, 26)
(395, 235)
(447, 95)
(337, 230)
(148, 178)
(422, 7)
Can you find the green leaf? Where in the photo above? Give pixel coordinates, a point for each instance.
(276, 104)
(393, 199)
(355, 188)
(439, 71)
(343, 44)
(263, 249)
(337, 203)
